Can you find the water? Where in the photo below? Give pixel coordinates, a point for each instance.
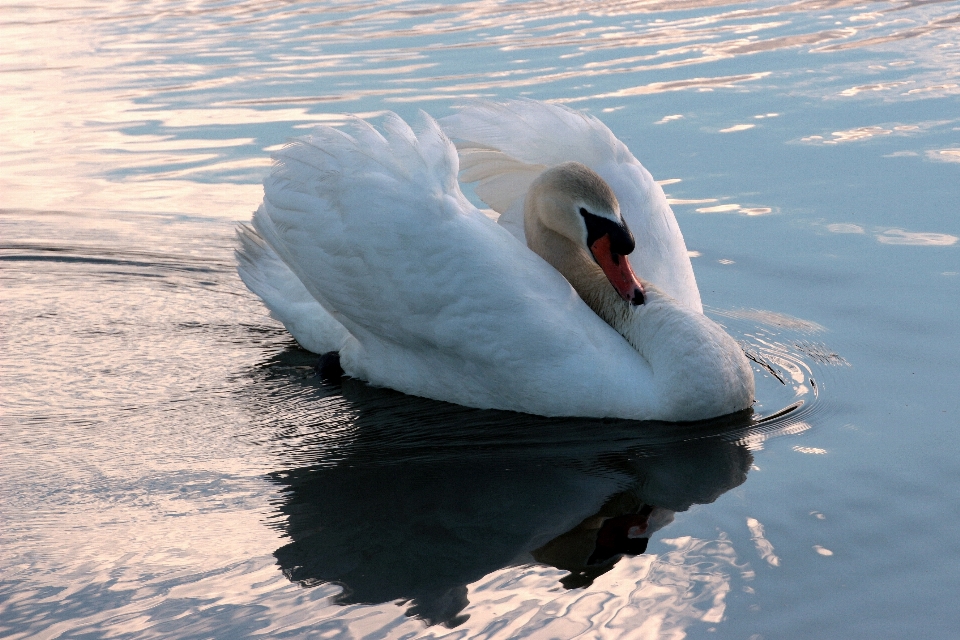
(172, 466)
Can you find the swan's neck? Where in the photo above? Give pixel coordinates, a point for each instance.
(584, 274)
(698, 368)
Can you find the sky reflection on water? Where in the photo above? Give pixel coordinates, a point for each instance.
(167, 451)
(148, 99)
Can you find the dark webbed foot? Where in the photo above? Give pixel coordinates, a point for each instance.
(328, 368)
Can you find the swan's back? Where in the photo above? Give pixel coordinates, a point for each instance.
(504, 147)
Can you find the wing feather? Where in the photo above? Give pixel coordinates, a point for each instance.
(505, 147)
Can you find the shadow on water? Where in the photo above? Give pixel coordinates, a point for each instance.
(397, 498)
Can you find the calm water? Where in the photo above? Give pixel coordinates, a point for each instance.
(171, 465)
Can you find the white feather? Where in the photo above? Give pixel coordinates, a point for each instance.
(262, 270)
(364, 244)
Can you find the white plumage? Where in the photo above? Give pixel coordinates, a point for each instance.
(364, 244)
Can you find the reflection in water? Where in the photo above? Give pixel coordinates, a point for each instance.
(395, 504)
(145, 498)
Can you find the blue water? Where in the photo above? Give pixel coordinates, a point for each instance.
(172, 466)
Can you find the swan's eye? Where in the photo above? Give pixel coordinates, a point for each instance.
(621, 240)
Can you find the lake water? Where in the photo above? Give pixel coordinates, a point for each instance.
(171, 465)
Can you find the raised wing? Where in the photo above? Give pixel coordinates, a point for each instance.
(504, 147)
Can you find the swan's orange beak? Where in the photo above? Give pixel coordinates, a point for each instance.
(618, 270)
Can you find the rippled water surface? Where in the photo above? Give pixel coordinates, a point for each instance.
(172, 466)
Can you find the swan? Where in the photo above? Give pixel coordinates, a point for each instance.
(365, 245)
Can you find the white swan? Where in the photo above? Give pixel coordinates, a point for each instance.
(365, 245)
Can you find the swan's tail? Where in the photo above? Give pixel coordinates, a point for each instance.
(264, 273)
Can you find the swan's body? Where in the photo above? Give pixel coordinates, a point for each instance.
(366, 246)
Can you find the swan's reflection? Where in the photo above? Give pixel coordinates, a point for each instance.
(410, 499)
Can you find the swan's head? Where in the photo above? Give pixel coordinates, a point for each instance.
(572, 201)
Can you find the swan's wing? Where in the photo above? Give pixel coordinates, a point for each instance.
(441, 301)
(504, 147)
